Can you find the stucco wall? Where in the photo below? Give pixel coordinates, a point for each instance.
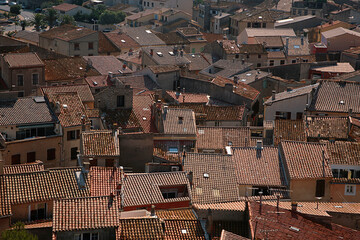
(305, 189)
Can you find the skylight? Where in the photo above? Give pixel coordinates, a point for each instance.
(201, 131)
(296, 46)
(171, 53)
(159, 54)
(183, 231)
(123, 41)
(295, 229)
(341, 102)
(206, 175)
(148, 31)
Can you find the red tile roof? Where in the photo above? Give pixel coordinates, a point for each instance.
(172, 125)
(188, 97)
(258, 167)
(226, 206)
(326, 127)
(219, 137)
(139, 188)
(229, 46)
(99, 143)
(106, 46)
(225, 235)
(289, 130)
(183, 229)
(344, 153)
(67, 33)
(23, 60)
(71, 108)
(213, 178)
(163, 68)
(142, 106)
(24, 168)
(305, 160)
(82, 89)
(65, 7)
(41, 186)
(240, 88)
(85, 213)
(98, 81)
(122, 40)
(289, 225)
(141, 228)
(176, 214)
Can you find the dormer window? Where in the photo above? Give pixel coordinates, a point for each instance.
(181, 120)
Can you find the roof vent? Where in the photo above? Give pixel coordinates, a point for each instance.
(206, 175)
(172, 53)
(95, 83)
(341, 102)
(65, 106)
(295, 229)
(183, 231)
(338, 206)
(159, 54)
(123, 41)
(148, 31)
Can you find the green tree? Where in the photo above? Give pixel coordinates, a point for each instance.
(18, 233)
(24, 24)
(67, 19)
(51, 17)
(15, 10)
(109, 17)
(38, 21)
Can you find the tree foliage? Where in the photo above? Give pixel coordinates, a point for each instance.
(108, 17)
(18, 233)
(49, 4)
(67, 19)
(15, 10)
(38, 21)
(51, 17)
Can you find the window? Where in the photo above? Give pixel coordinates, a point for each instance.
(37, 211)
(51, 154)
(193, 50)
(120, 101)
(31, 157)
(109, 162)
(313, 12)
(91, 45)
(74, 152)
(20, 80)
(258, 65)
(35, 78)
(144, 3)
(169, 194)
(76, 46)
(350, 189)
(93, 162)
(264, 25)
(237, 56)
(271, 63)
(15, 159)
(217, 123)
(152, 4)
(320, 188)
(86, 236)
(299, 115)
(293, 61)
(173, 150)
(20, 94)
(282, 62)
(74, 134)
(249, 25)
(259, 55)
(147, 3)
(181, 119)
(283, 115)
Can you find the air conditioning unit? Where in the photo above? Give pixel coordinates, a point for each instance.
(175, 168)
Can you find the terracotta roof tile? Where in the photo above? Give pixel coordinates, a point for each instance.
(214, 113)
(139, 82)
(142, 106)
(25, 111)
(344, 153)
(229, 46)
(71, 108)
(99, 143)
(124, 118)
(176, 214)
(106, 64)
(240, 88)
(219, 137)
(67, 33)
(289, 130)
(305, 160)
(42, 186)
(188, 97)
(183, 229)
(98, 81)
(144, 228)
(65, 7)
(258, 167)
(179, 121)
(23, 60)
(290, 225)
(292, 93)
(67, 69)
(336, 96)
(92, 113)
(122, 40)
(24, 168)
(212, 37)
(213, 178)
(163, 68)
(226, 206)
(106, 46)
(139, 188)
(172, 38)
(82, 90)
(85, 213)
(327, 127)
(225, 235)
(336, 68)
(252, 49)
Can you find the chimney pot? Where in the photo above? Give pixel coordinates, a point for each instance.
(152, 210)
(273, 95)
(293, 206)
(259, 145)
(151, 52)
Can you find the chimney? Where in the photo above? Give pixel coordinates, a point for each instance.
(190, 176)
(260, 194)
(277, 202)
(124, 66)
(184, 157)
(57, 108)
(153, 210)
(151, 52)
(259, 145)
(302, 40)
(181, 53)
(350, 112)
(273, 95)
(111, 200)
(288, 89)
(183, 90)
(293, 206)
(242, 61)
(236, 79)
(83, 123)
(183, 98)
